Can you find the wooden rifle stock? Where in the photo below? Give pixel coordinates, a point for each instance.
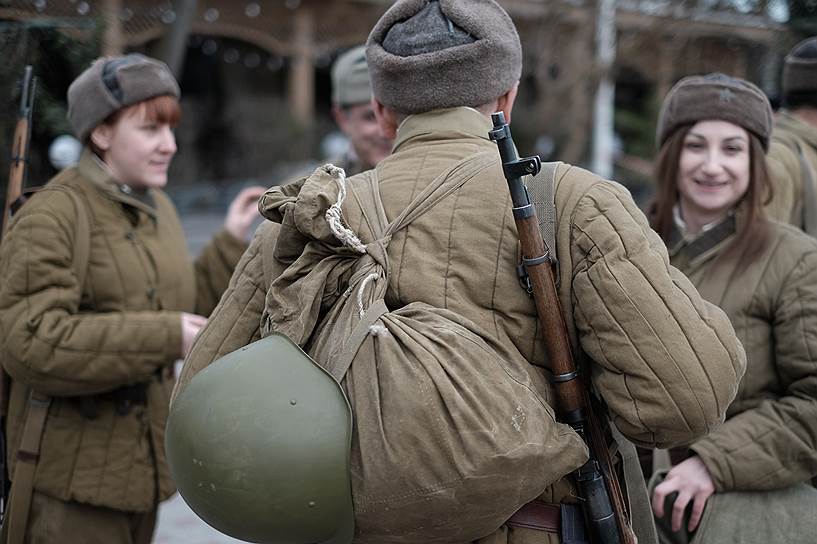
(598, 484)
(19, 150)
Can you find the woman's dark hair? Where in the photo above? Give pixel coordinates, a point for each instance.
(753, 228)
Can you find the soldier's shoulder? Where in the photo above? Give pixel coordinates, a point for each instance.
(575, 184)
(58, 196)
(791, 238)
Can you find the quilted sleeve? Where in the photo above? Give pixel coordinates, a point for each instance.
(774, 443)
(236, 320)
(667, 363)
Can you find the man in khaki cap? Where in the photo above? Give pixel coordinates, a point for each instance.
(352, 111)
(665, 362)
(793, 154)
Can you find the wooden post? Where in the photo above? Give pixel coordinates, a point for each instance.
(604, 105)
(173, 48)
(302, 69)
(112, 38)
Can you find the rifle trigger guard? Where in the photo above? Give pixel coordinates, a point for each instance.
(566, 377)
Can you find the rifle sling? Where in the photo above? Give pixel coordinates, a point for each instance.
(16, 520)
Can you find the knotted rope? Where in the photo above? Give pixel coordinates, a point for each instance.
(334, 216)
(349, 239)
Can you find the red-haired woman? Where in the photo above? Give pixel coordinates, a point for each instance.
(712, 183)
(99, 298)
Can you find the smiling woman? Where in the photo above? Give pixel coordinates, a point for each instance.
(713, 172)
(712, 182)
(714, 132)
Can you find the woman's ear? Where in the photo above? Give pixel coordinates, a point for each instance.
(101, 137)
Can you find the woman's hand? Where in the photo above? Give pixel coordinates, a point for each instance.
(692, 481)
(243, 211)
(191, 325)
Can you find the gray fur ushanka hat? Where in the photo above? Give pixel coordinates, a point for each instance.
(113, 83)
(715, 96)
(425, 55)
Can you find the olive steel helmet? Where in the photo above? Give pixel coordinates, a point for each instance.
(259, 445)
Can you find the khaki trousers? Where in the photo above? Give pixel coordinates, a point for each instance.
(52, 520)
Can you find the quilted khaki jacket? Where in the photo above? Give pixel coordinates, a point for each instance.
(121, 327)
(666, 362)
(769, 439)
(786, 168)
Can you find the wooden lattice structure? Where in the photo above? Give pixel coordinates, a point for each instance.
(654, 47)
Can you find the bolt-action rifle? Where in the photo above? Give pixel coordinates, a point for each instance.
(597, 482)
(14, 190)
(19, 150)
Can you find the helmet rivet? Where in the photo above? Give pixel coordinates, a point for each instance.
(293, 402)
(312, 504)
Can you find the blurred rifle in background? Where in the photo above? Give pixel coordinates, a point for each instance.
(14, 191)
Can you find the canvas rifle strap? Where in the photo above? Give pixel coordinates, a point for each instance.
(542, 192)
(19, 504)
(809, 194)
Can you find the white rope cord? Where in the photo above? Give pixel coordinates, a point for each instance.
(333, 214)
(378, 330)
(360, 309)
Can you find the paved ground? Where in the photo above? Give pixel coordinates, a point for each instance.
(177, 523)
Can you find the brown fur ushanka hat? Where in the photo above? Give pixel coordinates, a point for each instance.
(113, 83)
(715, 96)
(425, 55)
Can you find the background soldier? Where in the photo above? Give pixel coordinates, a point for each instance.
(666, 362)
(352, 111)
(793, 154)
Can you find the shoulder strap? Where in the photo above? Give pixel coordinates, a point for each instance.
(542, 194)
(809, 194)
(367, 193)
(15, 519)
(82, 242)
(442, 186)
(641, 518)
